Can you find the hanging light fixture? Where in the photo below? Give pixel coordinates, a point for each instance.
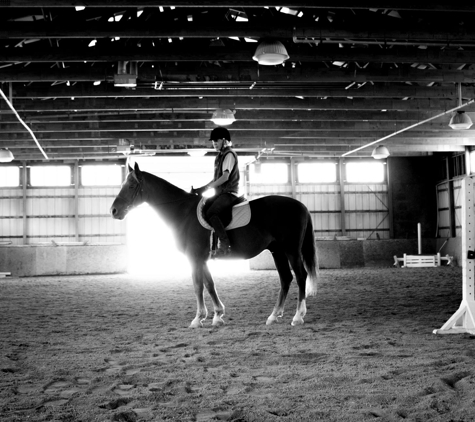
(460, 120)
(6, 156)
(380, 152)
(126, 75)
(270, 52)
(223, 117)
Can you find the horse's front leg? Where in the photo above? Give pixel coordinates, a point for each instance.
(217, 304)
(197, 274)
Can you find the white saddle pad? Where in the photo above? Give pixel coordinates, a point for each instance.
(241, 215)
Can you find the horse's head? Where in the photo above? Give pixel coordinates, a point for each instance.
(130, 195)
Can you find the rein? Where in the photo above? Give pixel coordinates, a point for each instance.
(139, 189)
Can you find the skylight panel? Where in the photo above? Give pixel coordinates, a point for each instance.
(288, 11)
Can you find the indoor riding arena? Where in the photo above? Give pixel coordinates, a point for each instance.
(350, 128)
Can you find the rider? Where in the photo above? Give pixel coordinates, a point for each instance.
(226, 185)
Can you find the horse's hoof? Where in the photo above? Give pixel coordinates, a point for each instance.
(217, 322)
(297, 322)
(196, 324)
(273, 319)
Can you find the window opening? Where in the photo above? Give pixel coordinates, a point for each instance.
(316, 172)
(270, 173)
(50, 176)
(106, 175)
(364, 172)
(9, 177)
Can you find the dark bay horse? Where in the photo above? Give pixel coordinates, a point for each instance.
(280, 224)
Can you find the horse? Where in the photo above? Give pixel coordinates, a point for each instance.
(280, 224)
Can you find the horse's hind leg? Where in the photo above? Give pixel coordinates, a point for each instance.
(285, 275)
(301, 276)
(217, 304)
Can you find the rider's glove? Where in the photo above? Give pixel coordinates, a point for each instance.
(198, 191)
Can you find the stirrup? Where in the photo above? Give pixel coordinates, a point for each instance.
(221, 251)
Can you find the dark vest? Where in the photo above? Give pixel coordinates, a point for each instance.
(232, 185)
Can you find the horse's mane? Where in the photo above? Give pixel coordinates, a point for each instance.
(164, 185)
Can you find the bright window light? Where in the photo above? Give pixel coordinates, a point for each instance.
(50, 176)
(9, 177)
(108, 175)
(152, 249)
(365, 172)
(316, 172)
(472, 162)
(270, 173)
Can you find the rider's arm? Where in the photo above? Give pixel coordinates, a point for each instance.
(228, 165)
(218, 182)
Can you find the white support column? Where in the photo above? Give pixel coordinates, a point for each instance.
(463, 320)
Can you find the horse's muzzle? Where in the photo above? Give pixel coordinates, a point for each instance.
(116, 213)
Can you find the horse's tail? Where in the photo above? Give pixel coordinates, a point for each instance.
(310, 260)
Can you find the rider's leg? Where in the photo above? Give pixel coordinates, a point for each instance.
(220, 204)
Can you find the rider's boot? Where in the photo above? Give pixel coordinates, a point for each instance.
(224, 247)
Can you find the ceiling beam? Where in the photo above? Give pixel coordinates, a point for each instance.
(239, 54)
(176, 104)
(460, 6)
(242, 141)
(259, 90)
(212, 74)
(202, 136)
(240, 125)
(320, 31)
(6, 116)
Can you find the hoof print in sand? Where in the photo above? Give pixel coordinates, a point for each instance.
(453, 381)
(56, 403)
(127, 416)
(114, 366)
(115, 404)
(65, 389)
(211, 415)
(123, 389)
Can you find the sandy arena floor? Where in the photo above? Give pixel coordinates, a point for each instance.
(117, 348)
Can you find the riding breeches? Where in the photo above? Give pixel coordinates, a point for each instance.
(220, 203)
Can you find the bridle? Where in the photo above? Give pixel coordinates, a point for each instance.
(139, 190)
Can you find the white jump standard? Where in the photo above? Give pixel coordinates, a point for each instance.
(463, 320)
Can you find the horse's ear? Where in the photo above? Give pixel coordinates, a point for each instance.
(130, 169)
(138, 173)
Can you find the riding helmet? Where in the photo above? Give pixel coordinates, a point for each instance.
(219, 133)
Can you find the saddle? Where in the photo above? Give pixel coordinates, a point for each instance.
(238, 216)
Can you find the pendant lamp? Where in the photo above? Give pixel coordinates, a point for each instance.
(460, 120)
(270, 52)
(223, 117)
(6, 156)
(380, 152)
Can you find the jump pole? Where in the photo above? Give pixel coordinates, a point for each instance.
(463, 320)
(419, 238)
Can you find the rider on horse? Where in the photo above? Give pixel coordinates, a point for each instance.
(226, 185)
